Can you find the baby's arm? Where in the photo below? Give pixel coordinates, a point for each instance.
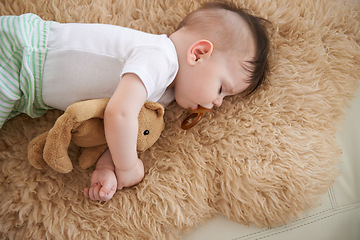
(121, 129)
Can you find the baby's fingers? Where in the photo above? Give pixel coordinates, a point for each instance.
(107, 191)
(86, 192)
(93, 192)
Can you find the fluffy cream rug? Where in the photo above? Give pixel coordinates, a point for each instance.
(262, 160)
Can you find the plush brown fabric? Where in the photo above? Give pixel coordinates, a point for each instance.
(261, 160)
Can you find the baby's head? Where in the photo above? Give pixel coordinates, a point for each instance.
(222, 51)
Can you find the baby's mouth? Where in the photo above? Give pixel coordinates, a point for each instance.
(194, 108)
(200, 110)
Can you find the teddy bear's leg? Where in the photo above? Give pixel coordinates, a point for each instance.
(35, 151)
(89, 156)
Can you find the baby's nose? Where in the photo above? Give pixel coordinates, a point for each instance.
(218, 101)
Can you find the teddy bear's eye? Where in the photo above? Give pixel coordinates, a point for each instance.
(146, 132)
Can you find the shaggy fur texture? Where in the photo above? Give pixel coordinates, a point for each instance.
(260, 160)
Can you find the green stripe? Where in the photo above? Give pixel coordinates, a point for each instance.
(8, 102)
(9, 75)
(4, 113)
(12, 67)
(13, 40)
(8, 106)
(23, 51)
(13, 86)
(5, 51)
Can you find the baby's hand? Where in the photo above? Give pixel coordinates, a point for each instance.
(103, 185)
(130, 177)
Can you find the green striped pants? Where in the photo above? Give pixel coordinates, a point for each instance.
(23, 41)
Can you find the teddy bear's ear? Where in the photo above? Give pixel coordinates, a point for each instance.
(157, 107)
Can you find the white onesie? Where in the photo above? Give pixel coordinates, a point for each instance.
(86, 61)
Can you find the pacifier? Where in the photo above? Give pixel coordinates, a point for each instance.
(194, 117)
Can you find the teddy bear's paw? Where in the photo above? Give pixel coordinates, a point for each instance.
(61, 164)
(35, 151)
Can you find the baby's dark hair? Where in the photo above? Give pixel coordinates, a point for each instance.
(228, 33)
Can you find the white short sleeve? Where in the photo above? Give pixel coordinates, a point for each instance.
(156, 68)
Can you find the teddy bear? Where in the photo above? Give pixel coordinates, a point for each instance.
(82, 123)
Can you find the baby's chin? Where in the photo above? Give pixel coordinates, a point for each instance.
(180, 103)
(185, 104)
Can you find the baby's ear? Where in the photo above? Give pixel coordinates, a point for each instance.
(157, 107)
(199, 51)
